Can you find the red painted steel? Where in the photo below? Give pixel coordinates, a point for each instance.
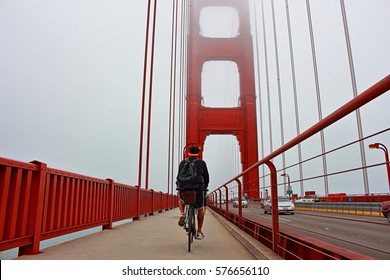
(241, 121)
(39, 203)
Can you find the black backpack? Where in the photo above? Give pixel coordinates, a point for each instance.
(188, 176)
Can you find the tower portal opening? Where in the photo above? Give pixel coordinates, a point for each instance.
(219, 22)
(220, 84)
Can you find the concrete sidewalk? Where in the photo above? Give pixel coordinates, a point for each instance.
(159, 237)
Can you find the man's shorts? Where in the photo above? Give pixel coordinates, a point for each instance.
(200, 198)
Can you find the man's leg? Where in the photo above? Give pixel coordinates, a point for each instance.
(181, 207)
(200, 219)
(182, 215)
(200, 216)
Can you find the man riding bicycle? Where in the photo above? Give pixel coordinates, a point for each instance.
(200, 189)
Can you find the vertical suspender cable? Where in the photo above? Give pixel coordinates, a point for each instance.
(171, 99)
(234, 100)
(179, 45)
(143, 95)
(180, 98)
(182, 76)
(186, 24)
(267, 76)
(295, 96)
(259, 87)
(279, 90)
(178, 25)
(180, 136)
(354, 88)
(231, 158)
(318, 96)
(150, 97)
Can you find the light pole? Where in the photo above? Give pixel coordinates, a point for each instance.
(384, 149)
(289, 192)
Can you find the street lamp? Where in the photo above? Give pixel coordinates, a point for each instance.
(289, 192)
(384, 149)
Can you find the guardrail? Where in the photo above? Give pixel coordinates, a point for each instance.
(39, 203)
(354, 208)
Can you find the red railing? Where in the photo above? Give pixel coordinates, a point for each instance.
(39, 203)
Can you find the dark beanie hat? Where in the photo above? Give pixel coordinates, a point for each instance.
(194, 151)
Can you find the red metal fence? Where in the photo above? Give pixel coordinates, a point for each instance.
(39, 203)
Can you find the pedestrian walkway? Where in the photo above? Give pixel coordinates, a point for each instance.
(159, 237)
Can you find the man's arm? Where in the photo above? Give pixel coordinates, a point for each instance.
(205, 175)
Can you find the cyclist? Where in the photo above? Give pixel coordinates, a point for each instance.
(200, 189)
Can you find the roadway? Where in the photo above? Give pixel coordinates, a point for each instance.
(368, 235)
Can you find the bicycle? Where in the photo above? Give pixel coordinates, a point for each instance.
(189, 198)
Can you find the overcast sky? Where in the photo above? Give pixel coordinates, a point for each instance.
(71, 83)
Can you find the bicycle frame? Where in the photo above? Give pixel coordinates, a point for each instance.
(189, 198)
(190, 225)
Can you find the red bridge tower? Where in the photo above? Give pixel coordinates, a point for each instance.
(241, 120)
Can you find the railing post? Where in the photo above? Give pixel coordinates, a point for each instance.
(220, 199)
(274, 210)
(162, 203)
(226, 201)
(138, 201)
(239, 204)
(35, 212)
(151, 214)
(210, 202)
(110, 204)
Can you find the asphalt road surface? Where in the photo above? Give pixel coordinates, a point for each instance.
(367, 235)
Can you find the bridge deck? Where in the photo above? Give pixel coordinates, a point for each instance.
(159, 237)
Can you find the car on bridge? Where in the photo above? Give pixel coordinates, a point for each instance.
(285, 205)
(385, 209)
(305, 200)
(244, 202)
(222, 201)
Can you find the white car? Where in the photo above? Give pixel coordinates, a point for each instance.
(244, 202)
(285, 205)
(305, 200)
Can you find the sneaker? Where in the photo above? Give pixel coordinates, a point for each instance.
(199, 236)
(182, 220)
